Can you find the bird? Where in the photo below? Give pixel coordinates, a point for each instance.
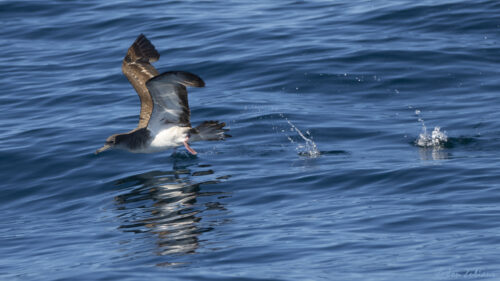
(164, 119)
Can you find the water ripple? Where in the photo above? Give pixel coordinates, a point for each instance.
(322, 176)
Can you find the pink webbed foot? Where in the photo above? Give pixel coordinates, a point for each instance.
(186, 145)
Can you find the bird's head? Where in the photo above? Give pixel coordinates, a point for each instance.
(113, 141)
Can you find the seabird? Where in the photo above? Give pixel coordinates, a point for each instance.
(164, 121)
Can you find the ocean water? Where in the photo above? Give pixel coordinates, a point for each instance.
(365, 142)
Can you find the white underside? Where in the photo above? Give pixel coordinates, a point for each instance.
(166, 137)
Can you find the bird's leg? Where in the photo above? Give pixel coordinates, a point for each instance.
(188, 147)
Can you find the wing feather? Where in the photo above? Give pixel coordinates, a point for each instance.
(138, 69)
(170, 99)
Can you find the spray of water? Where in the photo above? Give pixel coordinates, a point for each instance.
(436, 139)
(309, 147)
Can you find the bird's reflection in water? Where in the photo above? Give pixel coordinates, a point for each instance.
(167, 204)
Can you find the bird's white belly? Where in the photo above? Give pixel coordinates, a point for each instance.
(166, 138)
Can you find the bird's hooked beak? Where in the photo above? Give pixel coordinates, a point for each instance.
(105, 147)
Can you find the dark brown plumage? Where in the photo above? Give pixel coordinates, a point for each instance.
(138, 69)
(164, 120)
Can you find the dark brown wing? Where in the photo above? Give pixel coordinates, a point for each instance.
(138, 69)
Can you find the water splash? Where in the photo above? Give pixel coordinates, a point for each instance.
(309, 147)
(436, 139)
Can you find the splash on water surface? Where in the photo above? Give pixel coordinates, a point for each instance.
(435, 139)
(308, 148)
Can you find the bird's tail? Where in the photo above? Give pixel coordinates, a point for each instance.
(209, 130)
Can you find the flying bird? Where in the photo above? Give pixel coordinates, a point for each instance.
(164, 121)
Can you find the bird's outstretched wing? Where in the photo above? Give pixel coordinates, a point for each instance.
(170, 99)
(138, 69)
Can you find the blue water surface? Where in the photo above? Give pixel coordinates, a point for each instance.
(322, 179)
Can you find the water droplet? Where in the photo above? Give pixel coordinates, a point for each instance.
(436, 139)
(308, 148)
